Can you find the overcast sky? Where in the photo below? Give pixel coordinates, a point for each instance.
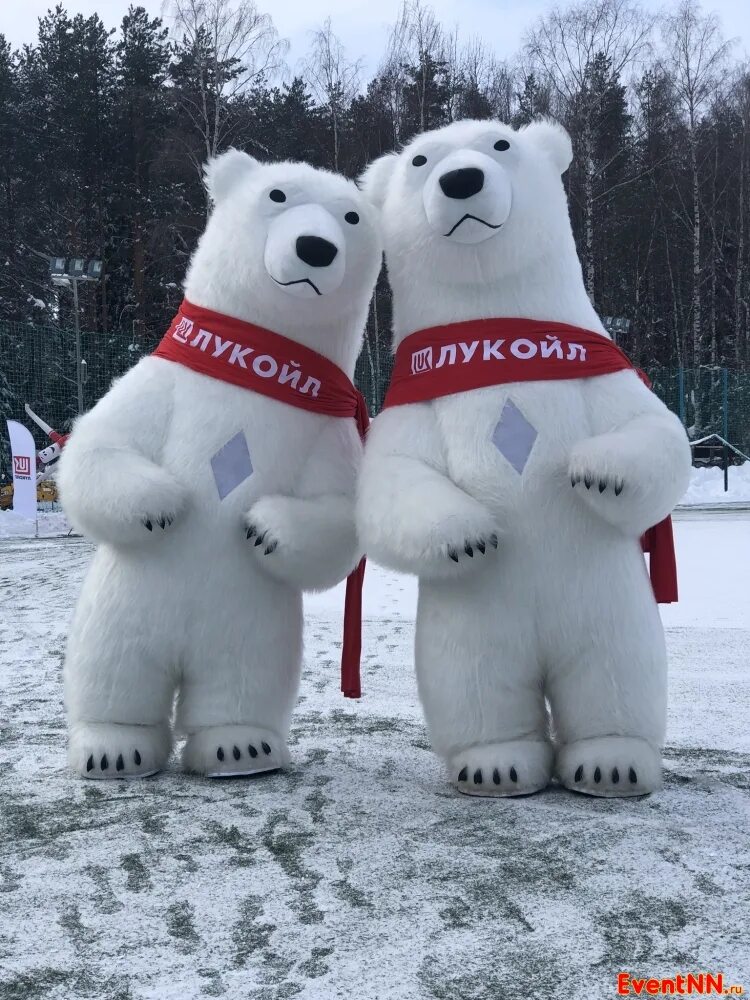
(363, 24)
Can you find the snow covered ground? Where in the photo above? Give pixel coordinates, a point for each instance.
(359, 873)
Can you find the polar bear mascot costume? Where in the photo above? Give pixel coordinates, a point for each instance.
(516, 466)
(218, 478)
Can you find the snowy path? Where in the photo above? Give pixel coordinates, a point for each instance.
(359, 873)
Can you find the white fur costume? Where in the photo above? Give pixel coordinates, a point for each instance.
(177, 597)
(562, 609)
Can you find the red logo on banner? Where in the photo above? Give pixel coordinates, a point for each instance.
(22, 467)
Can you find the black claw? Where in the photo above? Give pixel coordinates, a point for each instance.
(618, 488)
(251, 531)
(513, 774)
(104, 763)
(579, 773)
(587, 482)
(162, 523)
(259, 539)
(169, 520)
(493, 541)
(496, 776)
(148, 524)
(481, 546)
(270, 548)
(463, 774)
(119, 763)
(266, 748)
(220, 753)
(478, 776)
(573, 481)
(252, 751)
(452, 554)
(615, 775)
(633, 776)
(469, 551)
(90, 763)
(602, 486)
(236, 753)
(598, 775)
(137, 758)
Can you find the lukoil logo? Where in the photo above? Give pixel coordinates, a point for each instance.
(22, 467)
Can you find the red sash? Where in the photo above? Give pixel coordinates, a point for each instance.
(444, 360)
(265, 362)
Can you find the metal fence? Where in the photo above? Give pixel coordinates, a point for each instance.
(37, 366)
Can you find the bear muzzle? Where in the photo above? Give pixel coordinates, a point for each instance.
(305, 252)
(467, 197)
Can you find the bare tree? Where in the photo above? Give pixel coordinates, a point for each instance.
(483, 75)
(562, 48)
(232, 45)
(333, 79)
(417, 39)
(695, 56)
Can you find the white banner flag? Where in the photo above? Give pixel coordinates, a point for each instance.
(24, 470)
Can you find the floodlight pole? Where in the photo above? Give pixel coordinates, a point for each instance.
(79, 374)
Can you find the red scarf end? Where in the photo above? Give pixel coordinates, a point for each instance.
(659, 543)
(352, 646)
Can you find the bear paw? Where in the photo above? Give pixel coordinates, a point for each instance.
(519, 767)
(163, 520)
(264, 540)
(610, 766)
(105, 750)
(601, 481)
(469, 547)
(597, 466)
(234, 750)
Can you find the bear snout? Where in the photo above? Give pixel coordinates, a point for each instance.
(462, 183)
(315, 251)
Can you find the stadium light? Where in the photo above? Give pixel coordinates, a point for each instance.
(616, 325)
(66, 273)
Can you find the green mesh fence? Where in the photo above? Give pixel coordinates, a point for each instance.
(37, 366)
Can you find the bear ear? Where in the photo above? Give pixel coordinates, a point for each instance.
(550, 136)
(222, 173)
(374, 181)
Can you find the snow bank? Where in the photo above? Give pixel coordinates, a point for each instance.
(707, 486)
(51, 522)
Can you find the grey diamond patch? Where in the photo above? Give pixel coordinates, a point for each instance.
(514, 436)
(231, 465)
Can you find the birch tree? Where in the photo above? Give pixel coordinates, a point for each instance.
(334, 81)
(695, 56)
(229, 46)
(563, 48)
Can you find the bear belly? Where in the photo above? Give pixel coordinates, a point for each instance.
(509, 446)
(229, 447)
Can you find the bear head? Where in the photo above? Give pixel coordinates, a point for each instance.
(469, 213)
(290, 248)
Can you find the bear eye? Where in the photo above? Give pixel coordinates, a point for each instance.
(277, 195)
(419, 161)
(352, 218)
(501, 145)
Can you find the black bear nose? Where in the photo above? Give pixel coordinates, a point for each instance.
(315, 251)
(462, 183)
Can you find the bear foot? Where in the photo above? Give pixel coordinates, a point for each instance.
(610, 766)
(519, 767)
(106, 750)
(233, 751)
